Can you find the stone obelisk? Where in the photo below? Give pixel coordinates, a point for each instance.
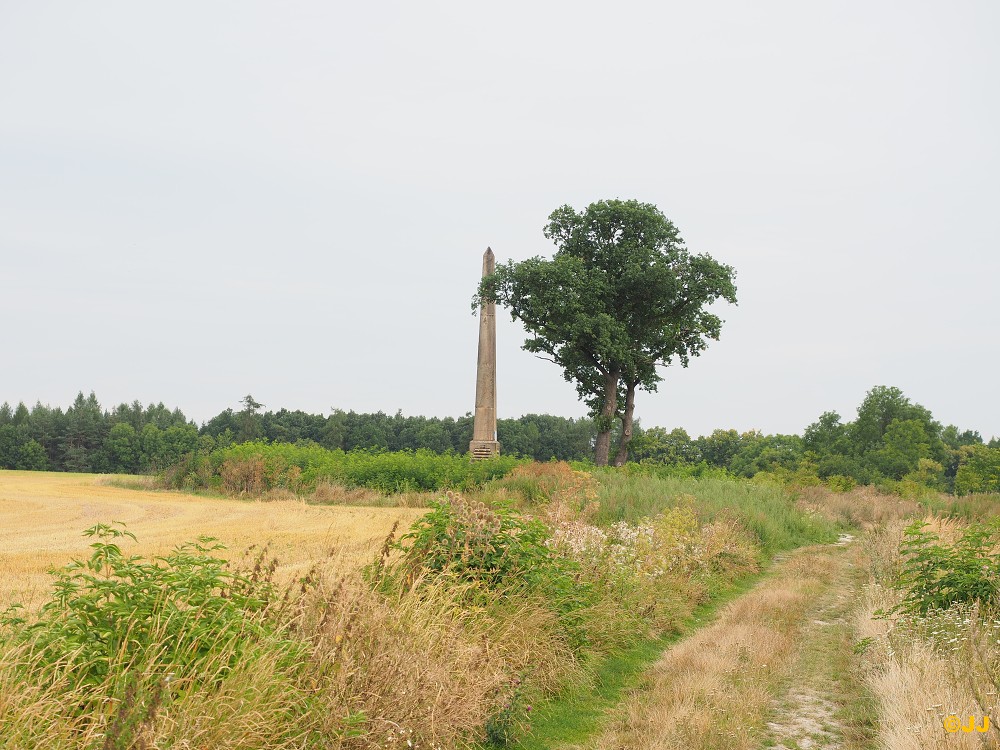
(484, 431)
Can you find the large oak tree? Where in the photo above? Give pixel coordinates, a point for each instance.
(621, 297)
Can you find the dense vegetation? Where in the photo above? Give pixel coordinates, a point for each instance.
(494, 600)
(252, 469)
(932, 645)
(893, 443)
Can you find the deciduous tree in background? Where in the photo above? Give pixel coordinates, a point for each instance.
(979, 470)
(621, 297)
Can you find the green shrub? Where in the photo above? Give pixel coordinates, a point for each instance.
(936, 576)
(475, 542)
(840, 483)
(257, 467)
(175, 611)
(496, 553)
(978, 471)
(192, 471)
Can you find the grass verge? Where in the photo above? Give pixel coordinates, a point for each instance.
(575, 715)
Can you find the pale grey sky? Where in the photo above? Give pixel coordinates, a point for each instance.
(200, 200)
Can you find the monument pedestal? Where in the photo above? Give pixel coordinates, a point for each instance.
(481, 449)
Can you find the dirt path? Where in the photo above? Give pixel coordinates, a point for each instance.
(824, 705)
(775, 669)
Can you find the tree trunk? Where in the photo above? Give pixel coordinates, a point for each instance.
(602, 446)
(626, 438)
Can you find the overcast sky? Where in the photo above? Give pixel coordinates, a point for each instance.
(200, 200)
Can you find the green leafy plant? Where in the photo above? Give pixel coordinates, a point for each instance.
(936, 575)
(495, 551)
(840, 483)
(174, 611)
(478, 543)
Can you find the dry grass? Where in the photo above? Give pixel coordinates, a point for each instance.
(916, 685)
(421, 670)
(42, 515)
(335, 494)
(713, 690)
(862, 507)
(923, 670)
(415, 672)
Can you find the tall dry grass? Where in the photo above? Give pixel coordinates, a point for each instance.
(338, 666)
(862, 507)
(923, 669)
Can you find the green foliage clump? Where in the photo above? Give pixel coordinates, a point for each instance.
(476, 543)
(111, 608)
(497, 554)
(978, 471)
(937, 576)
(254, 468)
(840, 483)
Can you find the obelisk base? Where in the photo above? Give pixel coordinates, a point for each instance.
(481, 449)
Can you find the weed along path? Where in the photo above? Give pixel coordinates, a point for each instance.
(774, 669)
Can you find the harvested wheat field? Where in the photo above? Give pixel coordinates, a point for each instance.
(42, 515)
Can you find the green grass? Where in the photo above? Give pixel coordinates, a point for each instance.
(766, 510)
(971, 508)
(576, 714)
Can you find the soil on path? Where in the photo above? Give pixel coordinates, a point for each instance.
(824, 705)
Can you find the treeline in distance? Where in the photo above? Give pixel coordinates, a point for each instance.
(893, 441)
(133, 439)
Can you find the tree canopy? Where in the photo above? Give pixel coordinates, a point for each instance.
(621, 297)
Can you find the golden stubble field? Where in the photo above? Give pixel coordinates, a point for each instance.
(42, 515)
